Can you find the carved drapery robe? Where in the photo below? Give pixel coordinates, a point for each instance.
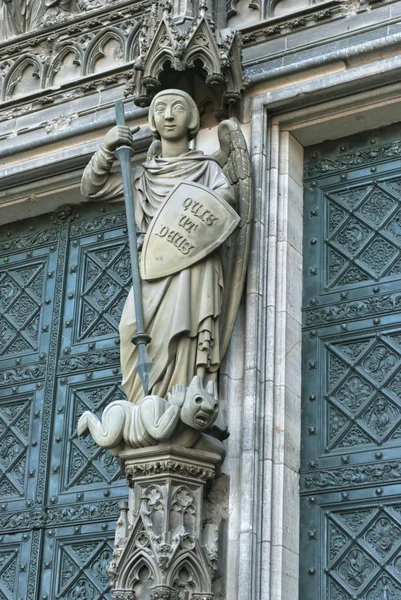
(12, 18)
(21, 16)
(58, 9)
(181, 311)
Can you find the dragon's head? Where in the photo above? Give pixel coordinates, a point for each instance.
(201, 406)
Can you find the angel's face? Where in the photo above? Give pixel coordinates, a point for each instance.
(172, 117)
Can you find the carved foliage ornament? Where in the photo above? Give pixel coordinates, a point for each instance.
(163, 593)
(133, 472)
(123, 595)
(318, 166)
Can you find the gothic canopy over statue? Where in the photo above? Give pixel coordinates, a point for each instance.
(198, 46)
(189, 311)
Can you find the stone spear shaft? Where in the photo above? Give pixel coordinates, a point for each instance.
(140, 339)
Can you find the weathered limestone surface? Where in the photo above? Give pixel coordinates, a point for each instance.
(25, 16)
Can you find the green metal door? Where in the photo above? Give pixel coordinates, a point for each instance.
(63, 282)
(351, 420)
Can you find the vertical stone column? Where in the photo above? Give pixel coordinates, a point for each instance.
(162, 548)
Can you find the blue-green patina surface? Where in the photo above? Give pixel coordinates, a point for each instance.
(351, 421)
(63, 282)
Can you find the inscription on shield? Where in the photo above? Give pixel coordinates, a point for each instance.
(191, 223)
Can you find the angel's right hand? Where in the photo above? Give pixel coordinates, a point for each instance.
(121, 135)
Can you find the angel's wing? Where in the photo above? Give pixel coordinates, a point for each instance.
(234, 159)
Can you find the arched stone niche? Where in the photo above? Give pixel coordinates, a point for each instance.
(73, 59)
(66, 67)
(23, 78)
(132, 42)
(143, 581)
(106, 51)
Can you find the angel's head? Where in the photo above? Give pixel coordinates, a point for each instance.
(173, 115)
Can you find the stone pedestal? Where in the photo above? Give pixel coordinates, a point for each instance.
(163, 550)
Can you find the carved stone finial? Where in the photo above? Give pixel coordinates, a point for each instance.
(167, 9)
(202, 7)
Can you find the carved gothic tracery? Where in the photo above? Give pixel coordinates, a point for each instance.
(71, 58)
(76, 51)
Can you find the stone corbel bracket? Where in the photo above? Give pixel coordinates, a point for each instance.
(217, 53)
(162, 545)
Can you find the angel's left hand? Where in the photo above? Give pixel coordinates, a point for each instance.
(139, 241)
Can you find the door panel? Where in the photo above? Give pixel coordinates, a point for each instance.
(351, 405)
(16, 578)
(76, 559)
(63, 282)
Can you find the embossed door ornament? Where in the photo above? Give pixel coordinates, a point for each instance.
(193, 276)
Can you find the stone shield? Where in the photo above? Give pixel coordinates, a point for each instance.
(191, 223)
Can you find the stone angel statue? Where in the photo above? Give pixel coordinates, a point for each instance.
(190, 313)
